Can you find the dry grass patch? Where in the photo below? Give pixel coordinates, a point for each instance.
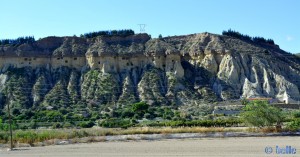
(34, 136)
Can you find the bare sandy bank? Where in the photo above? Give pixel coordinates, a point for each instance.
(233, 147)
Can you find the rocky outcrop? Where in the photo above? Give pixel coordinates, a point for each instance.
(121, 70)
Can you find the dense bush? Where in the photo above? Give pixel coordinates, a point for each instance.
(294, 125)
(1, 125)
(133, 111)
(294, 122)
(124, 33)
(5, 126)
(49, 116)
(88, 124)
(201, 123)
(245, 37)
(139, 107)
(116, 123)
(56, 125)
(261, 114)
(33, 124)
(296, 114)
(127, 113)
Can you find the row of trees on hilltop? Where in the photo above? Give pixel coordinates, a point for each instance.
(123, 33)
(18, 41)
(30, 39)
(245, 37)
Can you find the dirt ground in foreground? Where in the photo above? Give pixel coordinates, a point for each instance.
(231, 147)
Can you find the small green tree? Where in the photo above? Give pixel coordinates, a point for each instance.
(88, 124)
(1, 125)
(139, 109)
(294, 124)
(261, 114)
(56, 125)
(244, 101)
(140, 106)
(33, 124)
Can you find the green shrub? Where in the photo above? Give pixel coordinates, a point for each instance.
(88, 124)
(26, 137)
(4, 137)
(294, 125)
(67, 125)
(168, 114)
(56, 126)
(127, 113)
(148, 116)
(33, 125)
(5, 126)
(261, 114)
(116, 123)
(296, 114)
(140, 106)
(51, 116)
(1, 125)
(200, 123)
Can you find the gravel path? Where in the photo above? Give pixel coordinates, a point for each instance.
(228, 147)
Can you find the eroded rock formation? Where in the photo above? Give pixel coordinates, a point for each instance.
(119, 70)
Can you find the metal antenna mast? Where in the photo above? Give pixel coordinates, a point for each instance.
(142, 28)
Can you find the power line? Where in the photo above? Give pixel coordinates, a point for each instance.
(142, 28)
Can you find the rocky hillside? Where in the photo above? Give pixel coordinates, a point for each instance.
(105, 72)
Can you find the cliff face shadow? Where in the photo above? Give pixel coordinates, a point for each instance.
(201, 78)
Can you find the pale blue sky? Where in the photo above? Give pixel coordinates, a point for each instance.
(275, 19)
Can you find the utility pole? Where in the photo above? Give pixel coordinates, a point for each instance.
(10, 128)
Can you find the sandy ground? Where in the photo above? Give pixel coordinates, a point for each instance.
(231, 147)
